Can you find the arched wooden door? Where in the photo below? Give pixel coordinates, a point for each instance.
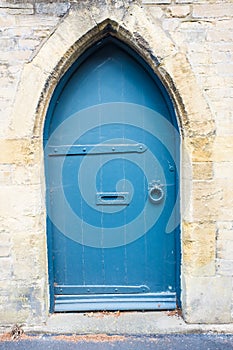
(111, 155)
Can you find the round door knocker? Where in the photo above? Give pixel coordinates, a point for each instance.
(156, 194)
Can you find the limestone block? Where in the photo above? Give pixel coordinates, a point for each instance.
(207, 299)
(188, 34)
(5, 286)
(7, 21)
(224, 70)
(202, 170)
(220, 47)
(11, 315)
(20, 32)
(30, 266)
(7, 44)
(199, 231)
(7, 92)
(178, 11)
(207, 197)
(197, 26)
(155, 11)
(27, 298)
(16, 56)
(199, 248)
(37, 22)
(224, 125)
(13, 5)
(100, 11)
(7, 81)
(4, 70)
(203, 57)
(17, 11)
(225, 25)
(29, 44)
(21, 201)
(5, 237)
(225, 230)
(201, 148)
(54, 8)
(26, 222)
(200, 70)
(225, 112)
(222, 93)
(170, 24)
(4, 300)
(13, 73)
(4, 123)
(224, 204)
(211, 81)
(224, 267)
(4, 250)
(28, 174)
(6, 172)
(212, 11)
(225, 249)
(222, 149)
(219, 35)
(5, 268)
(223, 170)
(19, 151)
(41, 32)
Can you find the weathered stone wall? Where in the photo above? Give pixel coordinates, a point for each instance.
(193, 43)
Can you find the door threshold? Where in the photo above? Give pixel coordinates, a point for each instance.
(125, 322)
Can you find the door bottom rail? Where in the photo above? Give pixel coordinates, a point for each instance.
(115, 302)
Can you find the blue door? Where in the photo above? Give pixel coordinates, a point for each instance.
(111, 155)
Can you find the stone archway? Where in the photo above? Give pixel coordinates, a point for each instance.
(86, 24)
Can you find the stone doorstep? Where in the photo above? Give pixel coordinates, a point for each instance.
(128, 323)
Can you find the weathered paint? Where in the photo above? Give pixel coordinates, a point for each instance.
(112, 191)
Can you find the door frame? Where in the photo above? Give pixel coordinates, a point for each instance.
(61, 84)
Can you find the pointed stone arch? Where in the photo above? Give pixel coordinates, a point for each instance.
(81, 28)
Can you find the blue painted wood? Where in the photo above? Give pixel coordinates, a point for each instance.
(109, 98)
(148, 301)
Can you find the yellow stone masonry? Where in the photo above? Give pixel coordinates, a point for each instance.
(192, 41)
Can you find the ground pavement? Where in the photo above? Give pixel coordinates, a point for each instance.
(105, 342)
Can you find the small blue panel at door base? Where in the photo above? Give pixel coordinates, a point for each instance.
(148, 301)
(111, 192)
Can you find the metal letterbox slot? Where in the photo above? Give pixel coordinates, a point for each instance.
(112, 198)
